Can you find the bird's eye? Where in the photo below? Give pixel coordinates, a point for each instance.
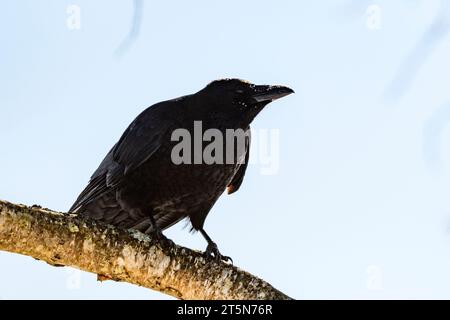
(239, 91)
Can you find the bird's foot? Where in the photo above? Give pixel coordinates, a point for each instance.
(165, 242)
(212, 252)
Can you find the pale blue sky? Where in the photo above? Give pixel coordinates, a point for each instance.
(360, 206)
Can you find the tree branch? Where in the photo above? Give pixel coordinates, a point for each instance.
(123, 255)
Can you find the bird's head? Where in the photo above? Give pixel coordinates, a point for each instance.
(241, 98)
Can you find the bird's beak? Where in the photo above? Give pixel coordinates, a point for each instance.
(270, 93)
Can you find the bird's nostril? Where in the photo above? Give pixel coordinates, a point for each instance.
(270, 93)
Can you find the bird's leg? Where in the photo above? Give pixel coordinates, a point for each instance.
(156, 233)
(212, 250)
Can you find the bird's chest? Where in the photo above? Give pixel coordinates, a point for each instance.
(200, 179)
(189, 186)
(165, 183)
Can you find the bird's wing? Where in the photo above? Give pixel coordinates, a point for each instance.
(239, 175)
(139, 142)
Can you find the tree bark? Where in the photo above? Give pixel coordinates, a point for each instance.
(124, 255)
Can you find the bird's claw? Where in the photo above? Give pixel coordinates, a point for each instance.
(165, 242)
(212, 252)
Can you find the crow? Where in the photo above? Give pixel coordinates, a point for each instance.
(147, 182)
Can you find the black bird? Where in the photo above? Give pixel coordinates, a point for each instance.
(139, 185)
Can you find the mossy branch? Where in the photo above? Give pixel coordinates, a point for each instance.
(123, 255)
